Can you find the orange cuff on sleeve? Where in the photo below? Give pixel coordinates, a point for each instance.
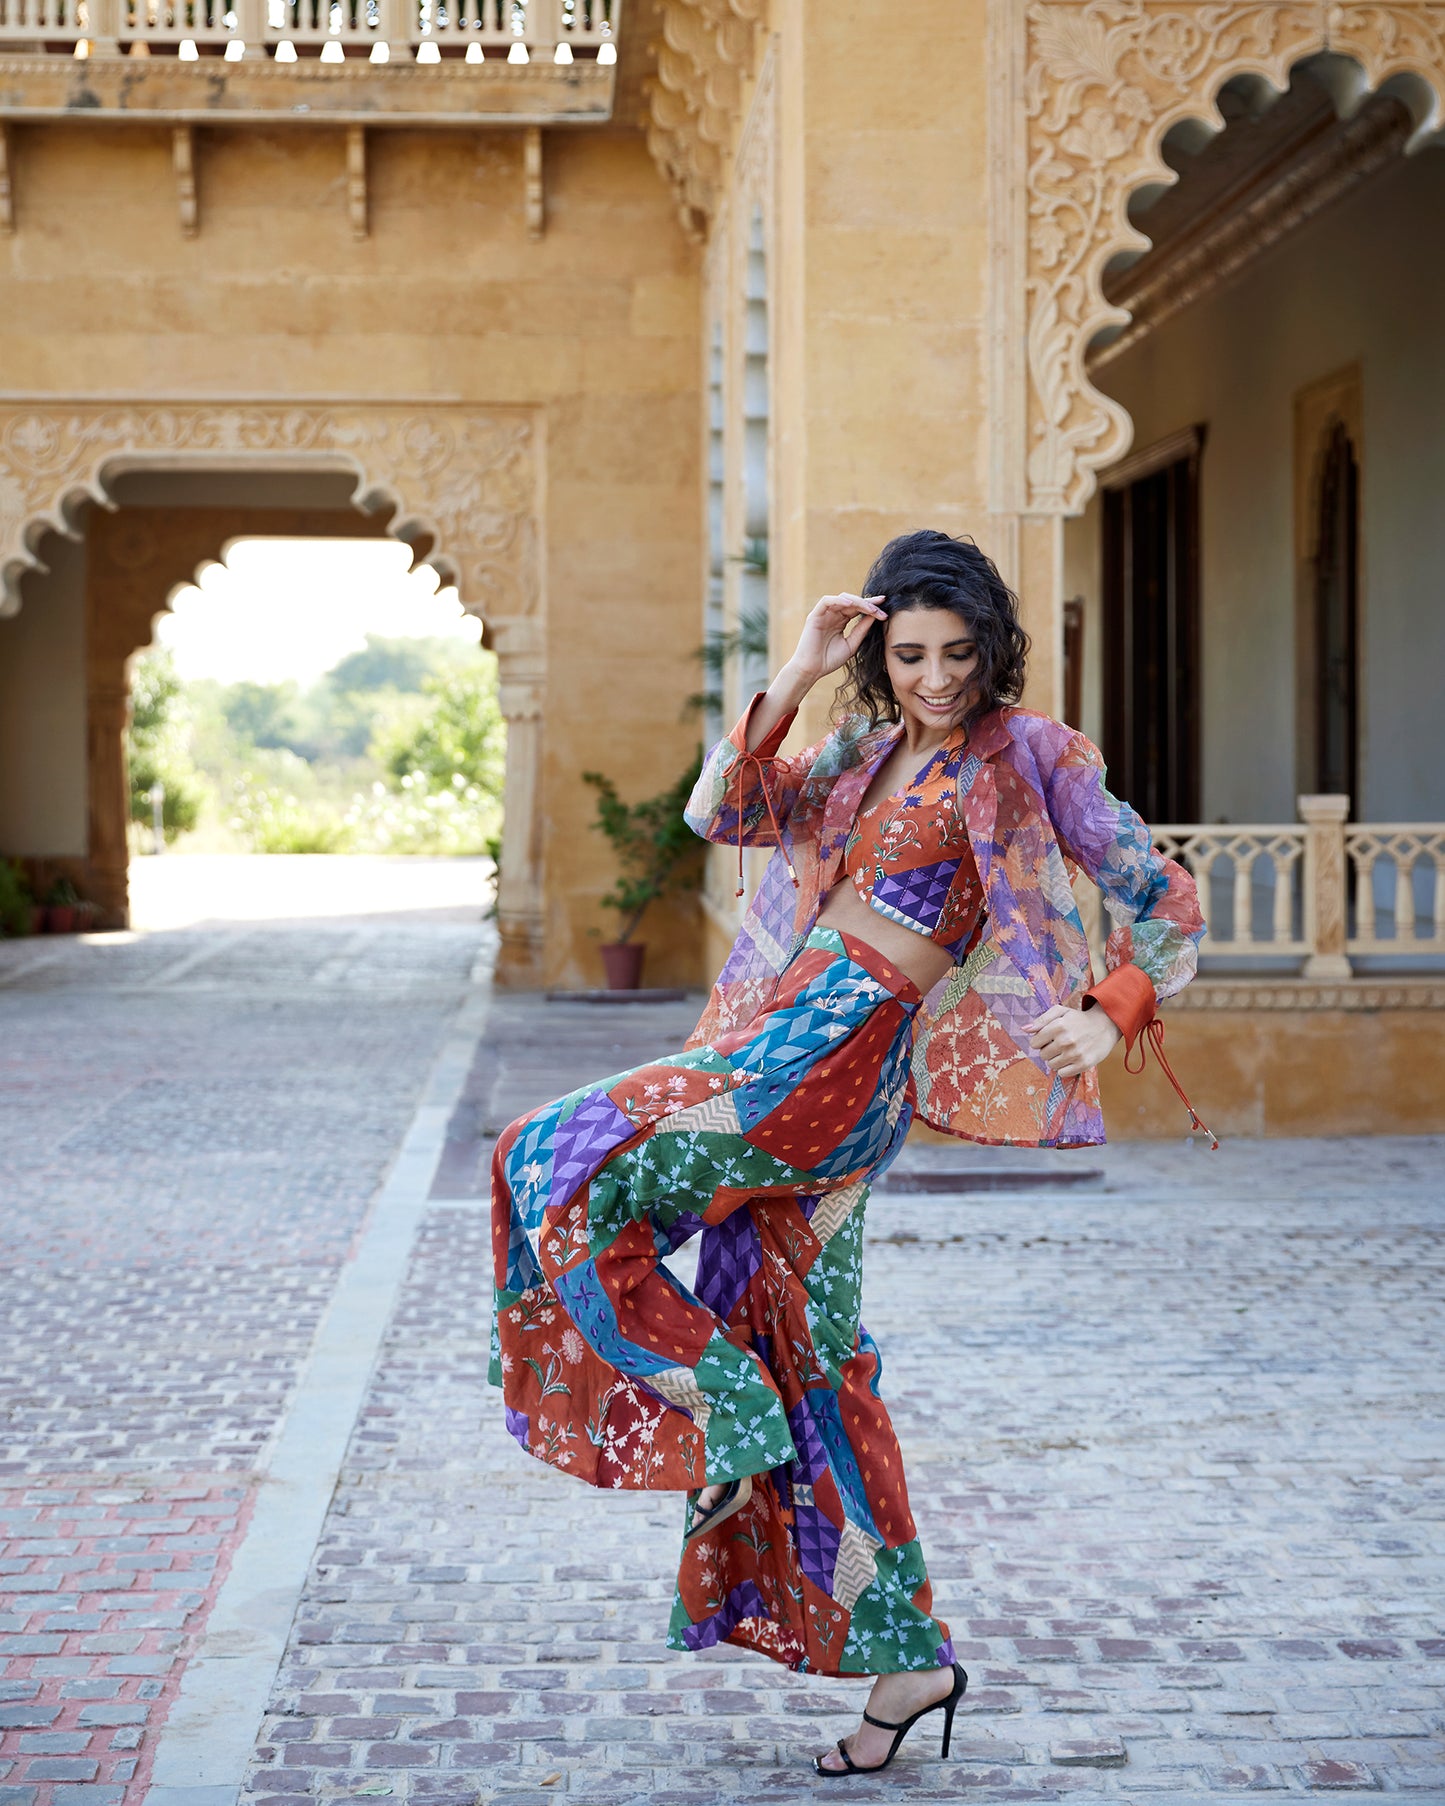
(765, 749)
(1127, 998)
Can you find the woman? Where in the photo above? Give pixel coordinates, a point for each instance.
(913, 948)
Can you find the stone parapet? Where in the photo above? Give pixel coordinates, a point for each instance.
(217, 93)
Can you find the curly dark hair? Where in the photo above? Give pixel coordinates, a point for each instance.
(929, 569)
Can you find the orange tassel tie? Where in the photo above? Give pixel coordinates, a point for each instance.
(1154, 1033)
(762, 765)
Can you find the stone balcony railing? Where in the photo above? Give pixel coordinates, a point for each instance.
(515, 61)
(1322, 898)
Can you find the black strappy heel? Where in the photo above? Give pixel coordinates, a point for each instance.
(736, 1496)
(948, 1706)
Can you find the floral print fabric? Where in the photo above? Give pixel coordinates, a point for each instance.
(1034, 808)
(761, 1144)
(909, 858)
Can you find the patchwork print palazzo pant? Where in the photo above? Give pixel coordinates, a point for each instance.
(762, 1145)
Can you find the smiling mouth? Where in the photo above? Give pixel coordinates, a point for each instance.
(941, 702)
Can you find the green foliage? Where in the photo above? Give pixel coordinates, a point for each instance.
(272, 819)
(747, 641)
(459, 734)
(263, 714)
(399, 748)
(420, 816)
(158, 745)
(15, 898)
(493, 850)
(655, 848)
(399, 664)
(754, 555)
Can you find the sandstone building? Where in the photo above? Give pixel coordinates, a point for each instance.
(639, 319)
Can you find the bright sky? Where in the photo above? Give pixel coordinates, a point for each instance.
(280, 608)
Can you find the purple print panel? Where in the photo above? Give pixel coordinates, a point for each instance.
(818, 1541)
(595, 1129)
(728, 1255)
(812, 1458)
(919, 894)
(744, 1601)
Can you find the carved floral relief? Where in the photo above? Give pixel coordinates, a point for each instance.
(1104, 80)
(466, 478)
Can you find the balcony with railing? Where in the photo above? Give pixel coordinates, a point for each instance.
(1322, 899)
(516, 61)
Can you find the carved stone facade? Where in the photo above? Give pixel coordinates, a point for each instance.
(462, 482)
(704, 57)
(462, 486)
(1096, 85)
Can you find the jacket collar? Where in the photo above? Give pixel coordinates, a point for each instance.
(987, 738)
(990, 734)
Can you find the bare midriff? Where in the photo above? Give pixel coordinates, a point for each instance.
(919, 959)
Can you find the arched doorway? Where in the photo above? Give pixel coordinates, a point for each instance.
(1083, 99)
(173, 484)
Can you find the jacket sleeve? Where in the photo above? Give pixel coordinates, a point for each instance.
(730, 784)
(1152, 902)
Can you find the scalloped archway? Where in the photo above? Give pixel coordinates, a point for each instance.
(1086, 91)
(463, 487)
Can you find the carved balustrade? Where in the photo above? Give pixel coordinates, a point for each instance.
(1251, 884)
(1319, 893)
(1398, 874)
(554, 30)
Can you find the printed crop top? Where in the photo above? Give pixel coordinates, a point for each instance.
(908, 855)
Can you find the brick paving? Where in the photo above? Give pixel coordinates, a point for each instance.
(1173, 1435)
(192, 1124)
(99, 1586)
(1173, 1441)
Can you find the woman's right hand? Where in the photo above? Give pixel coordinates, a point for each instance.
(831, 634)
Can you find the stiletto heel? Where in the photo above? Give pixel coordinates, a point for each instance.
(948, 1705)
(736, 1496)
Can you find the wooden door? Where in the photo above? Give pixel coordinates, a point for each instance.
(1151, 631)
(1335, 568)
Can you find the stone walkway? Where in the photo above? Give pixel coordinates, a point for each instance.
(1173, 1432)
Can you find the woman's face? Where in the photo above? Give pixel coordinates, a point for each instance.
(932, 663)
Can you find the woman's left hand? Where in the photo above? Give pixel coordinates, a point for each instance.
(1072, 1041)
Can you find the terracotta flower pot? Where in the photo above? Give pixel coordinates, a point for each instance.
(39, 919)
(622, 962)
(61, 918)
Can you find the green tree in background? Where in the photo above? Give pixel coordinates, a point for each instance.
(398, 664)
(458, 734)
(158, 745)
(262, 714)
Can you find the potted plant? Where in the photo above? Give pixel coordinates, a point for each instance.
(17, 906)
(657, 852)
(62, 905)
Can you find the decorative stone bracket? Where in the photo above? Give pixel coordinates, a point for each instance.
(706, 53)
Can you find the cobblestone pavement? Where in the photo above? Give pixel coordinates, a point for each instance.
(192, 1124)
(1174, 1445)
(1173, 1432)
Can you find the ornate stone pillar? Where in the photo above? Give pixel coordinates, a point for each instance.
(1324, 881)
(521, 660)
